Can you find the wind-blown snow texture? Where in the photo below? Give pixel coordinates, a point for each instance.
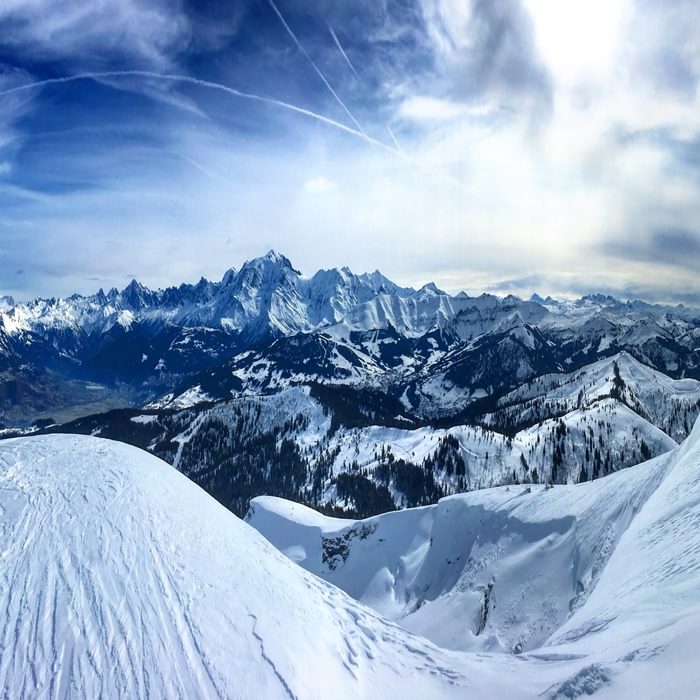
(601, 580)
(121, 578)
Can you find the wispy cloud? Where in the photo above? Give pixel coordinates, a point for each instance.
(143, 31)
(507, 139)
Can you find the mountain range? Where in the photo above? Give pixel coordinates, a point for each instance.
(349, 392)
(266, 326)
(539, 455)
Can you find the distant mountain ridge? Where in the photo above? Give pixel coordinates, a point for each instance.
(351, 393)
(266, 290)
(269, 290)
(265, 326)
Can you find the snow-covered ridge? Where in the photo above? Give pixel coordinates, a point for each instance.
(121, 578)
(536, 553)
(268, 293)
(602, 576)
(670, 404)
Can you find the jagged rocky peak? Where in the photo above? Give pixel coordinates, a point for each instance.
(271, 269)
(380, 283)
(430, 289)
(277, 258)
(136, 296)
(602, 299)
(272, 260)
(229, 277)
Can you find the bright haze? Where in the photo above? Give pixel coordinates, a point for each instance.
(499, 145)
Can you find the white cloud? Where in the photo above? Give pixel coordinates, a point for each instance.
(318, 185)
(150, 31)
(579, 41)
(422, 108)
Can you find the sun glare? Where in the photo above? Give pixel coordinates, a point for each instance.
(578, 41)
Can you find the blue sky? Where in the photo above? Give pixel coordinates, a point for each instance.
(501, 145)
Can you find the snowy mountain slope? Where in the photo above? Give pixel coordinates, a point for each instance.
(5, 348)
(604, 576)
(489, 365)
(430, 308)
(121, 578)
(591, 442)
(437, 352)
(489, 570)
(297, 444)
(581, 445)
(670, 404)
(647, 596)
(302, 359)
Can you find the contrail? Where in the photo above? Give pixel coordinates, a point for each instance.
(314, 66)
(236, 93)
(198, 166)
(360, 133)
(394, 139)
(342, 52)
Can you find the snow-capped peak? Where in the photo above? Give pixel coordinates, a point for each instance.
(229, 276)
(430, 289)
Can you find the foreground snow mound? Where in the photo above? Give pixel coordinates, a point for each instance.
(121, 578)
(493, 570)
(598, 583)
(647, 602)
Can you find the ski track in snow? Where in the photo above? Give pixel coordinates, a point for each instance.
(121, 578)
(268, 660)
(93, 632)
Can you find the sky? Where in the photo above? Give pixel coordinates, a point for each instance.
(508, 146)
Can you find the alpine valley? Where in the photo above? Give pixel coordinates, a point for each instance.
(350, 393)
(419, 494)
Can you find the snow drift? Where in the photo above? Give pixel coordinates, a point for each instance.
(598, 582)
(121, 578)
